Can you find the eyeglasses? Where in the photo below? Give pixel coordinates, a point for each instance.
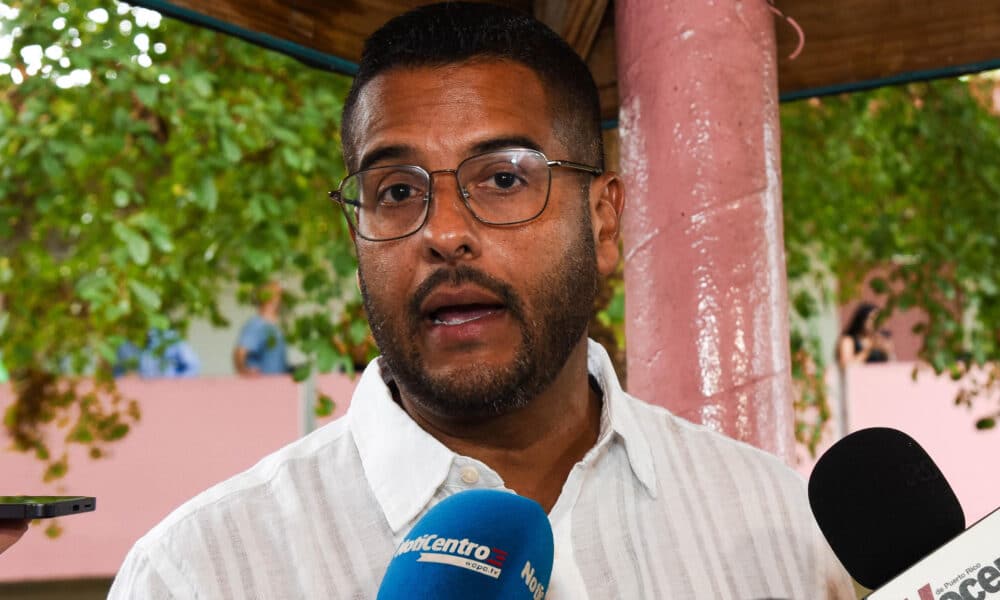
(505, 187)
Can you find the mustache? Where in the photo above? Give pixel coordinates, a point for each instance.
(466, 274)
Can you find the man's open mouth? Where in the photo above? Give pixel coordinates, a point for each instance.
(460, 314)
(457, 306)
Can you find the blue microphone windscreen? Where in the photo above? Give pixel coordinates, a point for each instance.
(475, 544)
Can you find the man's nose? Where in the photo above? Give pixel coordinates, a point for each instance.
(451, 232)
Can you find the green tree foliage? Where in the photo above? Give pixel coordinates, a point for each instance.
(145, 167)
(906, 180)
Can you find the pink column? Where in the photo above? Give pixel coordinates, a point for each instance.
(706, 303)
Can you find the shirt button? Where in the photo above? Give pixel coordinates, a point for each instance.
(470, 475)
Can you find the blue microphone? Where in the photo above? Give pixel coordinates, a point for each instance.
(475, 544)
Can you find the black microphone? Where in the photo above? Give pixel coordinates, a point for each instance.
(882, 504)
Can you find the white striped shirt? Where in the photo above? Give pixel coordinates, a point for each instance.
(659, 508)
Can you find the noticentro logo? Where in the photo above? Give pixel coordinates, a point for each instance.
(462, 553)
(534, 586)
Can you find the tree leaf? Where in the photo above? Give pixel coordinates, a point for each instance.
(878, 285)
(120, 198)
(230, 149)
(208, 195)
(146, 295)
(324, 406)
(147, 94)
(301, 373)
(138, 247)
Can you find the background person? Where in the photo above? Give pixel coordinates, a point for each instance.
(860, 342)
(165, 354)
(260, 348)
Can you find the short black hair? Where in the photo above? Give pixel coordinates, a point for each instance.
(456, 32)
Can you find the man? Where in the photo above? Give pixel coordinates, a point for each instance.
(260, 348)
(482, 221)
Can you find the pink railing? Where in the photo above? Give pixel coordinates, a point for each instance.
(193, 433)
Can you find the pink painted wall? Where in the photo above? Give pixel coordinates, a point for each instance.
(706, 305)
(193, 433)
(885, 395)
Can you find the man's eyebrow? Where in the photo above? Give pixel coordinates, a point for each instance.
(501, 143)
(384, 153)
(400, 151)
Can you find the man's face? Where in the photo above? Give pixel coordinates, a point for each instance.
(473, 320)
(270, 296)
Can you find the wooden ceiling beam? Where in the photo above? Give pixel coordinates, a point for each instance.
(335, 28)
(577, 22)
(852, 44)
(849, 44)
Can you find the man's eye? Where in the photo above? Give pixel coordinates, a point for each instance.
(399, 192)
(504, 180)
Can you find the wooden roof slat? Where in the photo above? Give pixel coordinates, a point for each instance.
(849, 44)
(863, 43)
(577, 22)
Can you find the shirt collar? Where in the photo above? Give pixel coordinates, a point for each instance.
(405, 465)
(619, 414)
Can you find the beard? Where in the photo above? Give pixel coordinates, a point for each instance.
(562, 299)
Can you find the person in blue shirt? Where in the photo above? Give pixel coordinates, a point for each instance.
(165, 354)
(260, 348)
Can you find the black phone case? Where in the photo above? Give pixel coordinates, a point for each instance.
(46, 510)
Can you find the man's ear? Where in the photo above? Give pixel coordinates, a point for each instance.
(607, 200)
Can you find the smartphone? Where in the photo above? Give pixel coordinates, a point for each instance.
(44, 507)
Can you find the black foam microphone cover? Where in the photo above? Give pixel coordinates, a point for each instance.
(882, 504)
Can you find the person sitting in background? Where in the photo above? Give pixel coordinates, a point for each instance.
(861, 342)
(260, 348)
(165, 354)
